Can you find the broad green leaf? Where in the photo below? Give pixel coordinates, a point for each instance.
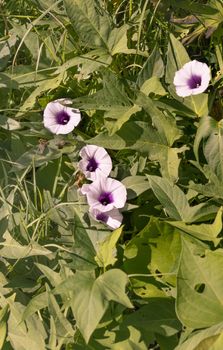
(214, 343)
(37, 303)
(135, 185)
(171, 197)
(165, 124)
(3, 325)
(138, 136)
(214, 186)
(144, 258)
(211, 189)
(167, 239)
(153, 67)
(167, 343)
(195, 340)
(90, 22)
(206, 126)
(169, 162)
(11, 249)
(137, 255)
(88, 62)
(106, 254)
(48, 84)
(211, 132)
(117, 41)
(198, 104)
(117, 116)
(176, 57)
(158, 316)
(64, 329)
(24, 335)
(53, 277)
(111, 96)
(134, 341)
(205, 232)
(213, 150)
(91, 296)
(200, 283)
(153, 85)
(83, 251)
(203, 212)
(175, 201)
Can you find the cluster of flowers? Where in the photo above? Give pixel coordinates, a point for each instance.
(105, 195)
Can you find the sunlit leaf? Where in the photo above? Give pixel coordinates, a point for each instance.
(200, 283)
(91, 296)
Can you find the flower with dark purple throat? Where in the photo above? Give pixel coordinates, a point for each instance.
(104, 194)
(59, 118)
(112, 218)
(95, 162)
(192, 79)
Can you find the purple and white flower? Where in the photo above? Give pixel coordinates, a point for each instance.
(95, 162)
(192, 79)
(112, 218)
(59, 118)
(105, 193)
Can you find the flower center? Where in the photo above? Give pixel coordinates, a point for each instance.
(62, 117)
(102, 217)
(105, 198)
(92, 165)
(194, 81)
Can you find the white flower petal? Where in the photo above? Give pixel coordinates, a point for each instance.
(112, 218)
(113, 191)
(191, 73)
(50, 116)
(83, 165)
(183, 91)
(101, 154)
(180, 78)
(88, 151)
(64, 129)
(49, 122)
(118, 191)
(84, 189)
(105, 167)
(187, 68)
(75, 117)
(53, 108)
(102, 163)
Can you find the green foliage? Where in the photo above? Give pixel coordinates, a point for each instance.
(67, 282)
(197, 284)
(90, 297)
